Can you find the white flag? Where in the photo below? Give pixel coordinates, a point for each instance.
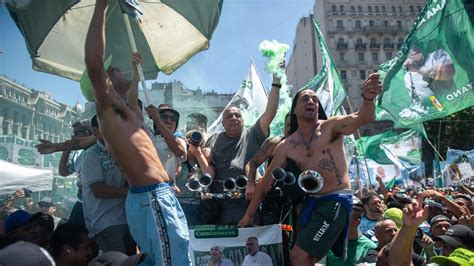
(251, 98)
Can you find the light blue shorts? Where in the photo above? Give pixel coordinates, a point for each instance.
(158, 225)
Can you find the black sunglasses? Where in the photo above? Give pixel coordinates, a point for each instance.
(170, 117)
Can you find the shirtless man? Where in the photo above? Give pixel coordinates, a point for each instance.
(154, 215)
(318, 145)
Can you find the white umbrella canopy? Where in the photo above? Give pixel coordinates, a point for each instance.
(169, 33)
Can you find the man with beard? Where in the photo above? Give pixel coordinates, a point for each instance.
(374, 209)
(317, 146)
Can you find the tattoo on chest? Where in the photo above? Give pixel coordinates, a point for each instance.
(330, 165)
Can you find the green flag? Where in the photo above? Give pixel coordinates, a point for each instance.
(327, 83)
(432, 75)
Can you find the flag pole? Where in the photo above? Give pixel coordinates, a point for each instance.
(139, 66)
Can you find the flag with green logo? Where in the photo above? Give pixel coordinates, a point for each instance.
(433, 73)
(327, 83)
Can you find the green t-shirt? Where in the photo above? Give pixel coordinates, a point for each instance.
(356, 251)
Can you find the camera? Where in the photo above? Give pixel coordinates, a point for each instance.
(196, 138)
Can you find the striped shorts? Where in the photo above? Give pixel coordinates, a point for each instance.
(158, 225)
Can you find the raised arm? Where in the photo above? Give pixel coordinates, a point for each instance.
(272, 106)
(260, 157)
(94, 57)
(78, 143)
(346, 125)
(200, 155)
(413, 216)
(176, 145)
(264, 185)
(450, 205)
(133, 90)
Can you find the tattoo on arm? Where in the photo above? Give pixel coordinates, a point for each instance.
(72, 144)
(330, 165)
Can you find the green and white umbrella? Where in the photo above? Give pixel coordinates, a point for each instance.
(169, 33)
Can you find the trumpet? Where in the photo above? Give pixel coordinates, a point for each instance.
(241, 182)
(205, 180)
(310, 181)
(229, 184)
(279, 174)
(193, 184)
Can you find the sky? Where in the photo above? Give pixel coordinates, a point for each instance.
(243, 25)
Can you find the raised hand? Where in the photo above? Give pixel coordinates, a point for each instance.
(45, 146)
(415, 214)
(371, 87)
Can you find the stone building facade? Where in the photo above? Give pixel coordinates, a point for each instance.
(32, 114)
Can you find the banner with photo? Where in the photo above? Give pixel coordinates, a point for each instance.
(232, 242)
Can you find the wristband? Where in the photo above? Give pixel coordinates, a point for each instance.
(367, 99)
(276, 85)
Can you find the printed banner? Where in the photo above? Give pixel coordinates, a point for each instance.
(23, 152)
(232, 242)
(14, 176)
(433, 74)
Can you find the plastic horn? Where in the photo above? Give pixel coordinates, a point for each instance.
(289, 179)
(205, 180)
(310, 181)
(241, 182)
(278, 174)
(229, 184)
(193, 184)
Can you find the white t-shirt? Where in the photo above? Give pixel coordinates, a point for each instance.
(169, 160)
(260, 259)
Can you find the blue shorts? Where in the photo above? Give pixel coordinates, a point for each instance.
(158, 225)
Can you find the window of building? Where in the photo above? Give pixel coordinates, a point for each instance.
(375, 57)
(359, 41)
(353, 9)
(384, 9)
(341, 8)
(341, 56)
(370, 9)
(394, 10)
(343, 74)
(361, 57)
(412, 9)
(340, 40)
(418, 8)
(377, 9)
(362, 74)
(388, 55)
(333, 8)
(400, 9)
(371, 23)
(339, 24)
(400, 40)
(359, 8)
(399, 23)
(386, 41)
(357, 24)
(373, 41)
(385, 23)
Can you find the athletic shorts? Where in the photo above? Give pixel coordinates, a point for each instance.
(158, 225)
(327, 225)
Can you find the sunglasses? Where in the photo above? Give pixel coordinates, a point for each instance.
(172, 118)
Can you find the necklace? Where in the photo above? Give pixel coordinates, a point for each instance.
(307, 144)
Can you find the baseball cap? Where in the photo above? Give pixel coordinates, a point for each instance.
(439, 218)
(25, 253)
(460, 256)
(17, 219)
(457, 236)
(46, 202)
(116, 258)
(435, 204)
(85, 81)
